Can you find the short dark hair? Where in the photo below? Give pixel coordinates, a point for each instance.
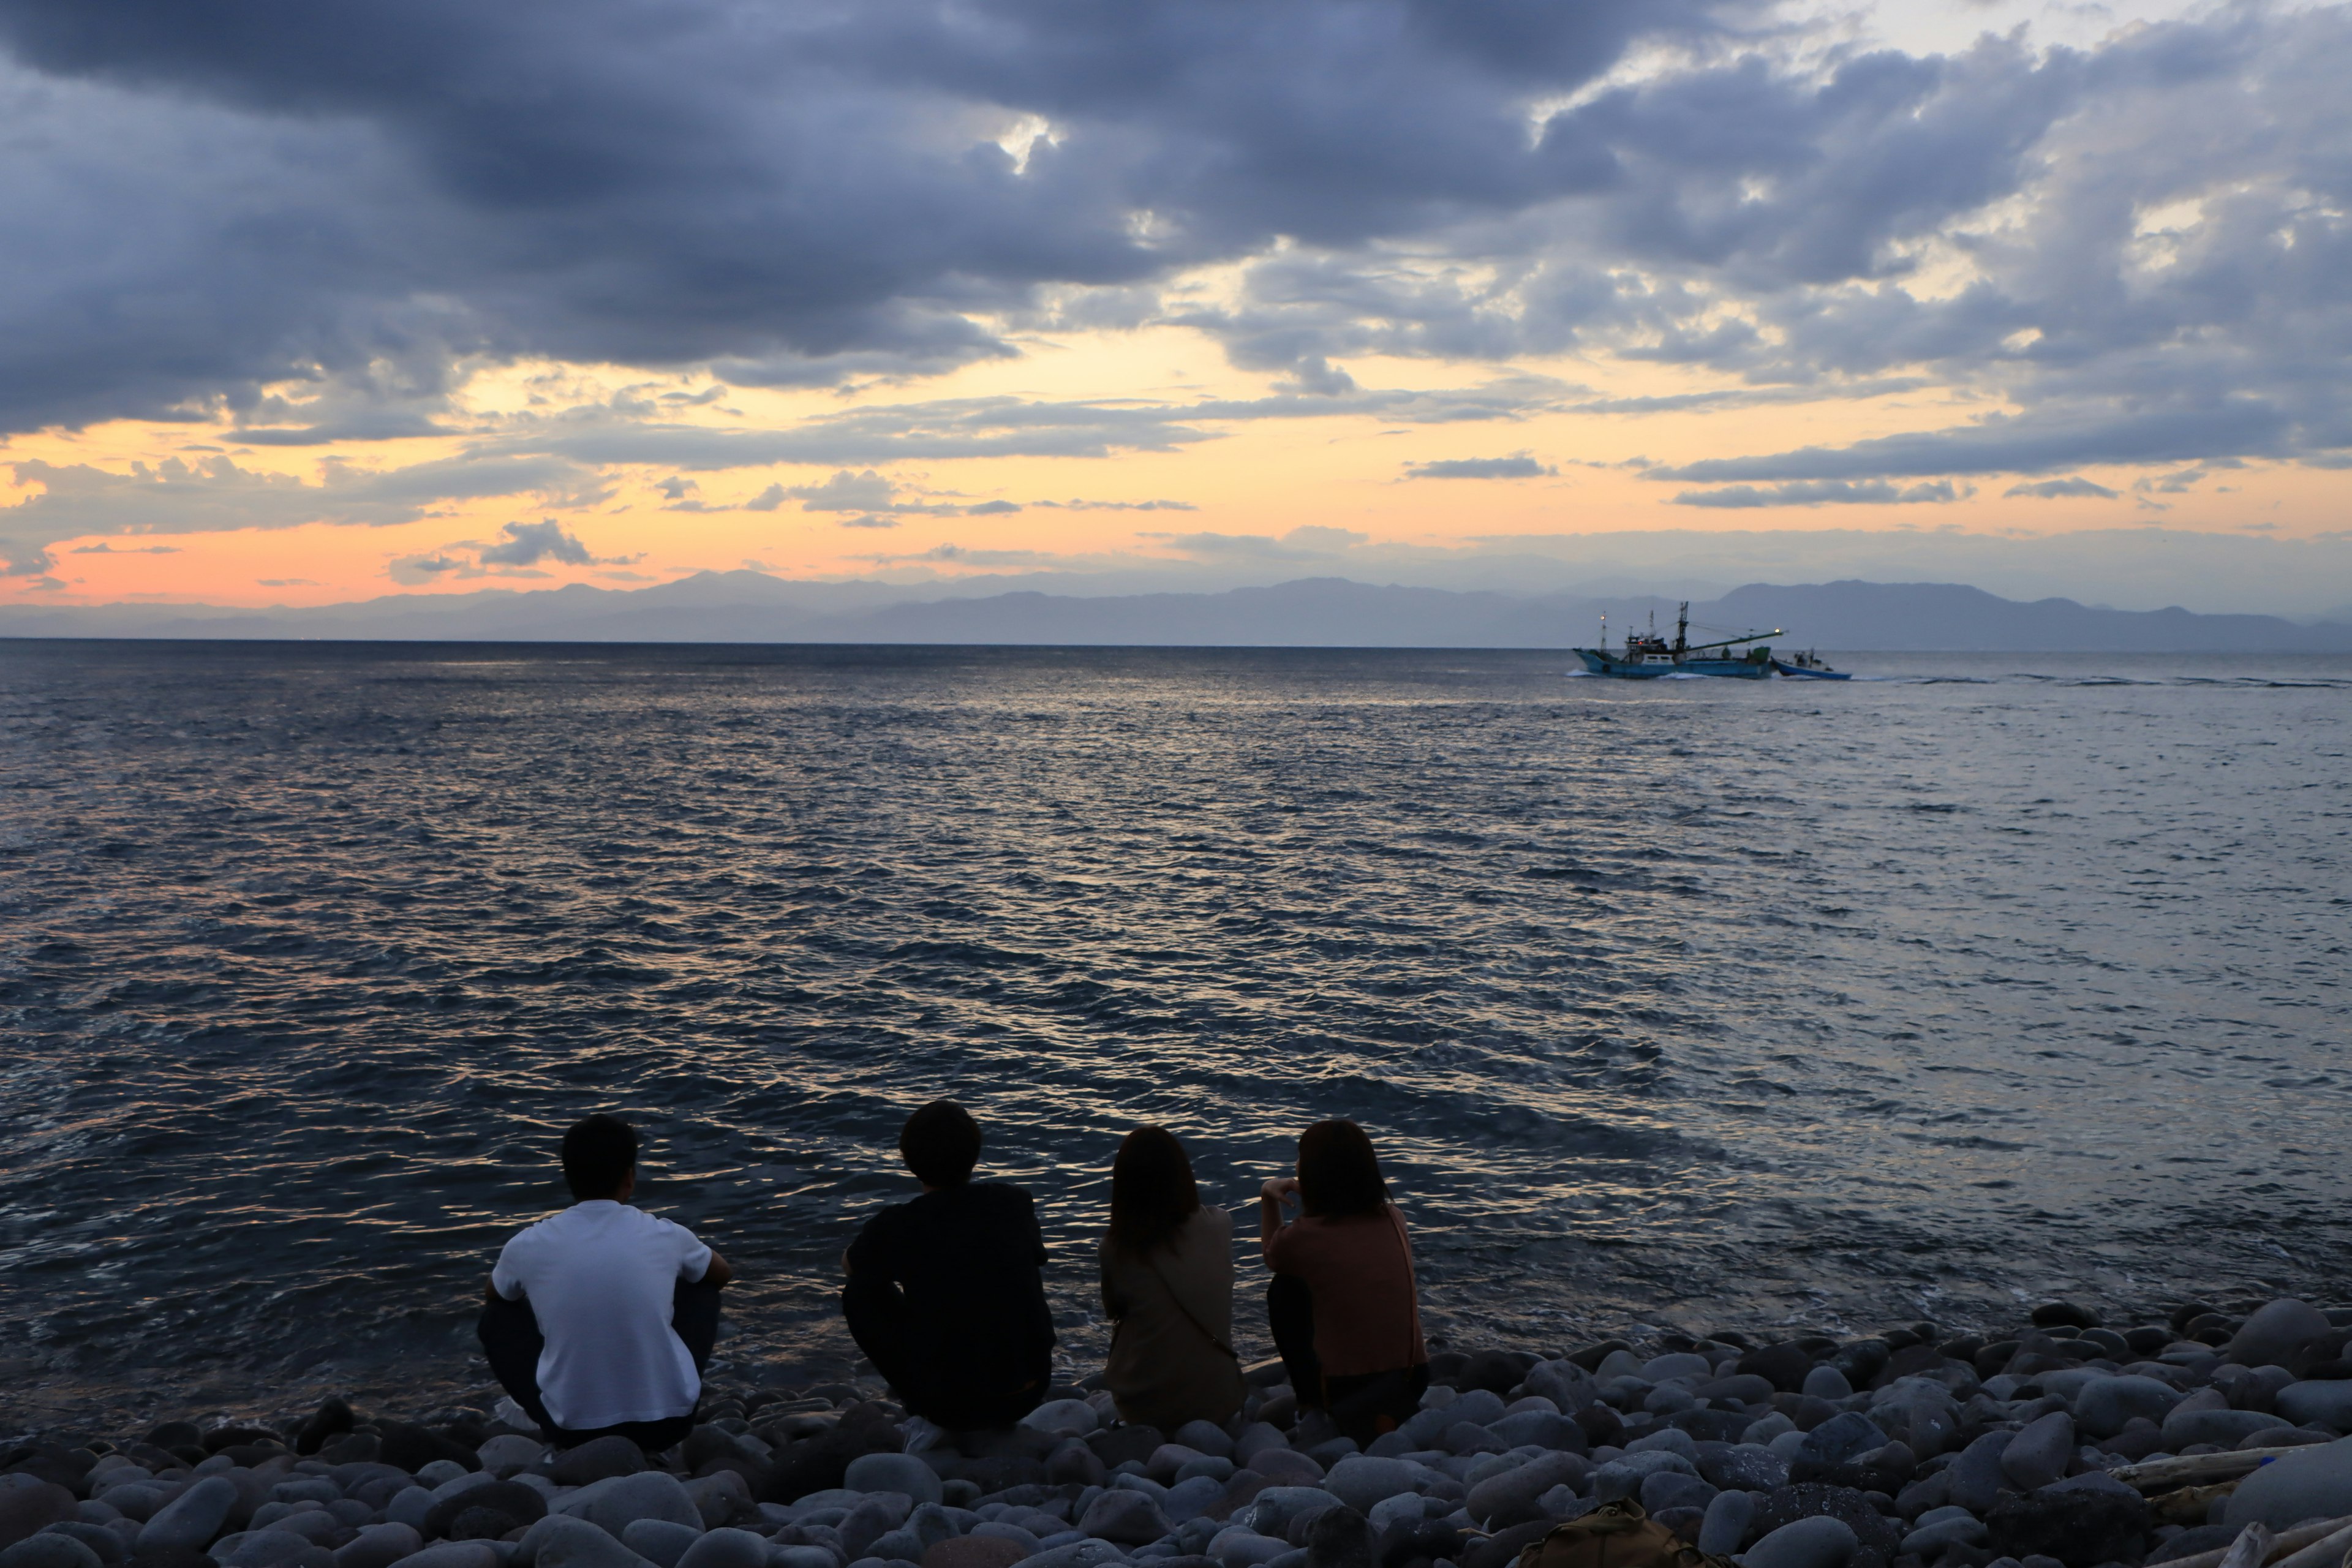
(599, 1152)
(1338, 1172)
(1153, 1193)
(941, 1143)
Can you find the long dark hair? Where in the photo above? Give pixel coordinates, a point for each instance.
(1339, 1175)
(1153, 1193)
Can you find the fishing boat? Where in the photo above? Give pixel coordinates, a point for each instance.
(1808, 665)
(1648, 656)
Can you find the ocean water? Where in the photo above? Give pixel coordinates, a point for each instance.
(1697, 1003)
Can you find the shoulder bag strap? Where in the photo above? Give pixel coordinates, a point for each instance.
(1177, 1297)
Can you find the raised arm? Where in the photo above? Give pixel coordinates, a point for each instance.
(1270, 1199)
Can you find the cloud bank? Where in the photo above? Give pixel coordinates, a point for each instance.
(2136, 254)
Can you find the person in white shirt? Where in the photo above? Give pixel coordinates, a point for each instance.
(600, 1319)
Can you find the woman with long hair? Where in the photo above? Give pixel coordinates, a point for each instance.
(1168, 1288)
(1342, 1306)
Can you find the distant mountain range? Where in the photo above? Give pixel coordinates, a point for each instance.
(1321, 612)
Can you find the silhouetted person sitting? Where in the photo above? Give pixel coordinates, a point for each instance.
(944, 1293)
(1168, 1285)
(1342, 1306)
(601, 1317)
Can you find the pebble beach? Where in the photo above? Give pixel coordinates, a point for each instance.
(2064, 1442)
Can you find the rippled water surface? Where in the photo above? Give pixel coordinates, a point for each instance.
(1696, 1003)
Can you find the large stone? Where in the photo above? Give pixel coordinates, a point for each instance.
(2274, 1332)
(1671, 1488)
(2039, 1453)
(1875, 1532)
(1087, 1553)
(1074, 1417)
(1272, 1509)
(2315, 1483)
(191, 1521)
(1241, 1548)
(1842, 1437)
(1130, 1519)
(1539, 1428)
(2108, 1404)
(726, 1548)
(1339, 1538)
(1203, 1436)
(452, 1554)
(723, 1499)
(29, 1505)
(522, 1504)
(2328, 1405)
(412, 1448)
(509, 1452)
(2078, 1526)
(1827, 1383)
(378, 1546)
(1073, 1463)
(612, 1506)
(1742, 1466)
(1725, 1525)
(1565, 1383)
(110, 1545)
(1359, 1481)
(2226, 1428)
(46, 1551)
(1976, 1477)
(659, 1541)
(1500, 1501)
(600, 1460)
(1819, 1542)
(559, 1540)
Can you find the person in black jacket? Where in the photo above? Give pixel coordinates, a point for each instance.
(945, 1295)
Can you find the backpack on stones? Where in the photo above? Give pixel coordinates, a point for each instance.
(1615, 1535)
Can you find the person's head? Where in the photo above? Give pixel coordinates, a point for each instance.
(1153, 1193)
(1338, 1174)
(941, 1143)
(600, 1157)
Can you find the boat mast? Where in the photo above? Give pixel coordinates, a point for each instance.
(1682, 625)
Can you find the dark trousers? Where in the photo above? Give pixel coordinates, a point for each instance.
(982, 1391)
(1362, 1405)
(510, 1337)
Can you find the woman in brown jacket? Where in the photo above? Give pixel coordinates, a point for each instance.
(1167, 1287)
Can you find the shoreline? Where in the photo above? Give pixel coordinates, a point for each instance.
(2064, 1440)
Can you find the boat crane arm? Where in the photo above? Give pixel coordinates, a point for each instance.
(1728, 642)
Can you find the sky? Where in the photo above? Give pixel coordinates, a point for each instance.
(303, 303)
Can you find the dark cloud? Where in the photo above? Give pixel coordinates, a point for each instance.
(311, 223)
(2074, 485)
(102, 548)
(1519, 466)
(2021, 445)
(177, 496)
(1822, 492)
(529, 544)
(795, 195)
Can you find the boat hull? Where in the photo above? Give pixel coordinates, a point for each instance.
(1598, 663)
(1798, 672)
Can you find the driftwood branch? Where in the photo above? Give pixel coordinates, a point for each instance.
(2292, 1541)
(2196, 1469)
(2326, 1553)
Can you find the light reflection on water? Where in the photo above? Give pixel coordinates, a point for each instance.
(1719, 1002)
